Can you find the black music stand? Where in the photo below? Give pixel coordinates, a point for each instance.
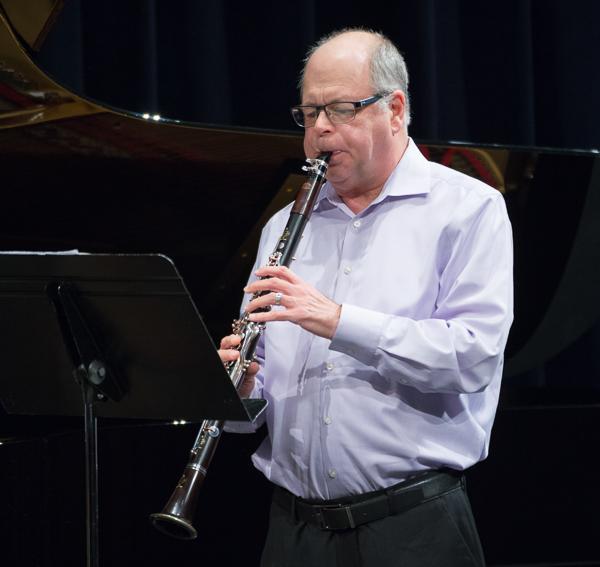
(127, 330)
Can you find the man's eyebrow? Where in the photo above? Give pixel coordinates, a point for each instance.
(333, 100)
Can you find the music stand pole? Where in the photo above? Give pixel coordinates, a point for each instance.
(98, 382)
(91, 476)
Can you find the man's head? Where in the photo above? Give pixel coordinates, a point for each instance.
(354, 65)
(387, 68)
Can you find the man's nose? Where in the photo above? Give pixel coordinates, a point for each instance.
(322, 121)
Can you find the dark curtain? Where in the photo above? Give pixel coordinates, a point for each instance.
(518, 72)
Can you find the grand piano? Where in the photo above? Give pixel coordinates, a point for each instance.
(78, 174)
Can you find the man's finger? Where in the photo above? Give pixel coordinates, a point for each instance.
(282, 272)
(228, 354)
(230, 341)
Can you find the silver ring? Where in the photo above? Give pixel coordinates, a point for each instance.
(278, 297)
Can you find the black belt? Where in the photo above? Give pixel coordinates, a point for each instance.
(355, 511)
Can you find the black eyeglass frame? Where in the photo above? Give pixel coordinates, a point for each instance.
(358, 105)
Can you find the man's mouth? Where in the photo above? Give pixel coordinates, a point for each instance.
(335, 157)
(334, 154)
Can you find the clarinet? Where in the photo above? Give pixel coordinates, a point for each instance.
(176, 517)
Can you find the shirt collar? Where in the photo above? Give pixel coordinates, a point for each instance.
(410, 177)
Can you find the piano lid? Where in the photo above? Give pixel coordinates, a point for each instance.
(79, 174)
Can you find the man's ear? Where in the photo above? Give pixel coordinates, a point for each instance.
(397, 105)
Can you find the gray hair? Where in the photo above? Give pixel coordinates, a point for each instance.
(387, 66)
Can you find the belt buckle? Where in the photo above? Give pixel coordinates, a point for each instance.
(326, 519)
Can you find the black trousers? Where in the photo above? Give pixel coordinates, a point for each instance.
(438, 532)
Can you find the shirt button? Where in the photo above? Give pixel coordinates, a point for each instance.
(332, 473)
(347, 269)
(356, 224)
(327, 420)
(329, 366)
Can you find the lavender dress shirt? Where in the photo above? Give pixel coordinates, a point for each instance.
(410, 381)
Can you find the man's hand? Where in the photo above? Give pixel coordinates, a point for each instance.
(228, 353)
(301, 303)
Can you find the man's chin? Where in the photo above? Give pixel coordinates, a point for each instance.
(337, 176)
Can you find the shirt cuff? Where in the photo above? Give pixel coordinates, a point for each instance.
(358, 332)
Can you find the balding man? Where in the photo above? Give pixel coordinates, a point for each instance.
(382, 365)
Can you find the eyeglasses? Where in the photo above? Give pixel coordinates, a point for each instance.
(340, 112)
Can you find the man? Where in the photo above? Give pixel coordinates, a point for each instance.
(382, 355)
